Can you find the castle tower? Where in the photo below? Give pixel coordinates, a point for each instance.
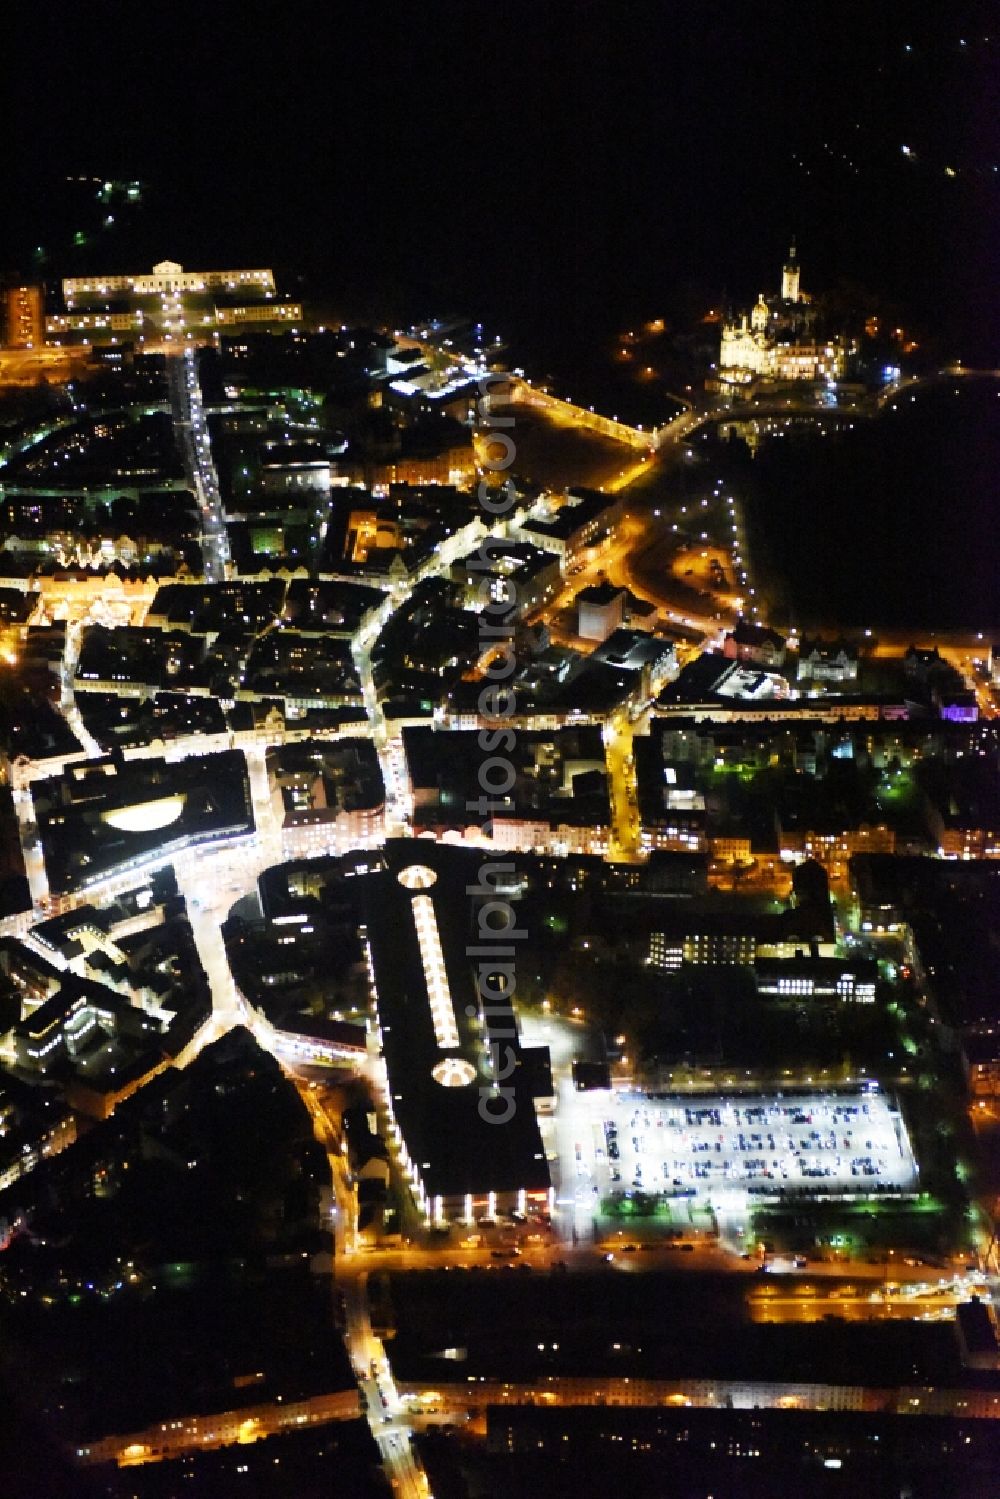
(759, 316)
(790, 277)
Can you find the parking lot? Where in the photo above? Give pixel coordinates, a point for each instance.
(764, 1145)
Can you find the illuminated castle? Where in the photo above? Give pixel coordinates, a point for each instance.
(778, 339)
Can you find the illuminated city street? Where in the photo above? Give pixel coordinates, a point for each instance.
(191, 425)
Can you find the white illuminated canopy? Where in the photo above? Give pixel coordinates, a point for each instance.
(146, 817)
(450, 1072)
(453, 1072)
(435, 974)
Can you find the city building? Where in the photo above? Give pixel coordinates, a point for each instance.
(651, 657)
(458, 1088)
(104, 819)
(167, 305)
(165, 278)
(976, 1329)
(104, 995)
(35, 1124)
(982, 1063)
(747, 1440)
(557, 800)
(799, 979)
(394, 929)
(294, 467)
(517, 572)
(578, 530)
(757, 644)
(780, 339)
(600, 611)
(827, 661)
(23, 317)
(327, 795)
(132, 660)
(834, 847)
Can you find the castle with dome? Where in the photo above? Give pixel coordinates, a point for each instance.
(779, 340)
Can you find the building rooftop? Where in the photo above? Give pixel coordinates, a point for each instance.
(600, 594)
(560, 775)
(417, 919)
(103, 818)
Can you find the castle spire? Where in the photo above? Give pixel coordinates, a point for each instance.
(790, 277)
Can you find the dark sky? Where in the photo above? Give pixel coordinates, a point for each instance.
(570, 163)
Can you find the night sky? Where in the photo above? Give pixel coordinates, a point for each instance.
(558, 167)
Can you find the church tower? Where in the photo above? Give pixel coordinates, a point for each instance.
(790, 277)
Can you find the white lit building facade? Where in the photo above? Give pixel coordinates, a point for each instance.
(778, 341)
(167, 304)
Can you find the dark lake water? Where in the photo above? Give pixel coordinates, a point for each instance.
(893, 524)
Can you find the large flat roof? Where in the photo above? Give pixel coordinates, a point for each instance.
(455, 1149)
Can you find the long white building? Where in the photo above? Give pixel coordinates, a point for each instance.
(166, 277)
(167, 305)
